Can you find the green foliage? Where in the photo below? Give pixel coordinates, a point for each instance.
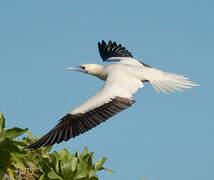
(10, 154)
(17, 162)
(65, 166)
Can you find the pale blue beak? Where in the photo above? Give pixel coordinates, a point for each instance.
(74, 68)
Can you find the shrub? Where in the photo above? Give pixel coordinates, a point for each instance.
(17, 162)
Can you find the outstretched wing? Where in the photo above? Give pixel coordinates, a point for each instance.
(115, 97)
(112, 50)
(72, 125)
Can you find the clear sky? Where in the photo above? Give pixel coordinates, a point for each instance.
(164, 137)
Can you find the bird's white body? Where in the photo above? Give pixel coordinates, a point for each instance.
(123, 79)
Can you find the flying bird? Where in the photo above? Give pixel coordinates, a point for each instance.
(122, 79)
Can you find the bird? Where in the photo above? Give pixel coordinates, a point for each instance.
(123, 77)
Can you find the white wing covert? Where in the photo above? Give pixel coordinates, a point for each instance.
(118, 84)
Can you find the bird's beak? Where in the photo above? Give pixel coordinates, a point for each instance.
(74, 68)
(80, 69)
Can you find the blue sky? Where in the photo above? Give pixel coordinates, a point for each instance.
(163, 137)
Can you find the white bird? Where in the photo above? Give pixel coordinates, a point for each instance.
(122, 80)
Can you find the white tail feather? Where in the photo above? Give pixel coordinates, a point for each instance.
(167, 82)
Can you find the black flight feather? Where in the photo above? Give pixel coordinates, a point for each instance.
(112, 50)
(71, 125)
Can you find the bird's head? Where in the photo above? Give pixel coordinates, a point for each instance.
(93, 69)
(80, 68)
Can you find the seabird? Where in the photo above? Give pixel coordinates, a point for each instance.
(122, 79)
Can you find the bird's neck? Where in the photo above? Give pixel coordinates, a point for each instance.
(99, 72)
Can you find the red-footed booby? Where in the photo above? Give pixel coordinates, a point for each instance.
(122, 80)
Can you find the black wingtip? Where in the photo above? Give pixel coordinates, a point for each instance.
(71, 125)
(61, 132)
(111, 49)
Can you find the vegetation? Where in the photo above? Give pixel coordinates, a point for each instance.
(20, 163)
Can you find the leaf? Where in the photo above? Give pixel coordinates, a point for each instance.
(53, 175)
(85, 151)
(99, 164)
(12, 174)
(74, 163)
(63, 153)
(42, 177)
(56, 162)
(9, 152)
(18, 161)
(85, 166)
(10, 146)
(108, 170)
(14, 132)
(45, 166)
(2, 122)
(82, 170)
(66, 168)
(90, 162)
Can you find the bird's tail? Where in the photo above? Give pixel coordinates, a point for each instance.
(167, 82)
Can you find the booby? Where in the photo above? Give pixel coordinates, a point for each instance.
(122, 79)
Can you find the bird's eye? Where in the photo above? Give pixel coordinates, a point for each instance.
(83, 69)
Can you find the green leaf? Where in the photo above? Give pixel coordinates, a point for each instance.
(63, 153)
(85, 151)
(82, 170)
(99, 164)
(84, 166)
(12, 174)
(14, 132)
(18, 161)
(9, 153)
(108, 170)
(42, 177)
(74, 163)
(66, 168)
(53, 175)
(44, 166)
(56, 162)
(90, 162)
(2, 122)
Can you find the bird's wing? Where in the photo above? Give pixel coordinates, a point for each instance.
(115, 97)
(112, 51)
(166, 82)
